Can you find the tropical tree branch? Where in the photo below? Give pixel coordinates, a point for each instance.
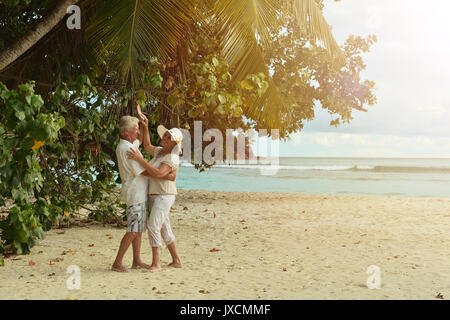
(9, 55)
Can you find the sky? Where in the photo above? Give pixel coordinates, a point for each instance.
(410, 64)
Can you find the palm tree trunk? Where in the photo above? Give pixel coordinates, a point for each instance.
(33, 36)
(166, 111)
(170, 118)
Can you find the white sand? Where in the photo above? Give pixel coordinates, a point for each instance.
(289, 247)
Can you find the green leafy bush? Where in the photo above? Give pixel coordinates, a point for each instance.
(55, 158)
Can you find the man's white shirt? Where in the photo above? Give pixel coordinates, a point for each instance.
(134, 184)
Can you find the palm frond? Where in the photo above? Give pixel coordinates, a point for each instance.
(259, 17)
(310, 17)
(131, 29)
(247, 26)
(271, 104)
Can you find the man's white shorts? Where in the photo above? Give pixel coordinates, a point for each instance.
(137, 217)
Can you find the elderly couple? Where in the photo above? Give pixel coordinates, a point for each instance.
(147, 187)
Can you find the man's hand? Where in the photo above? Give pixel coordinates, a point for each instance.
(172, 175)
(168, 175)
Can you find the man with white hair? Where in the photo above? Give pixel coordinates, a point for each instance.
(134, 190)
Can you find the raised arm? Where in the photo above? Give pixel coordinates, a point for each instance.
(145, 134)
(141, 133)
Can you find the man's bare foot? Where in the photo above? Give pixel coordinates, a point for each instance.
(175, 264)
(118, 268)
(139, 265)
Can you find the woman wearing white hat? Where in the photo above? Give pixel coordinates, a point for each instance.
(161, 192)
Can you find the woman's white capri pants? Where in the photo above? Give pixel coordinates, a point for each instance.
(158, 223)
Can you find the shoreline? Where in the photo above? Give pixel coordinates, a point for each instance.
(255, 245)
(321, 194)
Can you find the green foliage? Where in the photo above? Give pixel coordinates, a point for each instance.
(23, 132)
(307, 76)
(64, 144)
(281, 39)
(116, 34)
(210, 94)
(152, 75)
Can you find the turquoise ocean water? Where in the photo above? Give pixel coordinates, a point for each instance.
(340, 176)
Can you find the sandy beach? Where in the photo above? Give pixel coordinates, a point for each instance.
(255, 246)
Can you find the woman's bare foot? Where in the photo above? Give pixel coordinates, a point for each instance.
(154, 268)
(118, 268)
(138, 265)
(175, 264)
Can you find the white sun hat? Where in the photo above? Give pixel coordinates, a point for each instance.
(176, 134)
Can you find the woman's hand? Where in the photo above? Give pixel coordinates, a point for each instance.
(134, 155)
(143, 120)
(142, 117)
